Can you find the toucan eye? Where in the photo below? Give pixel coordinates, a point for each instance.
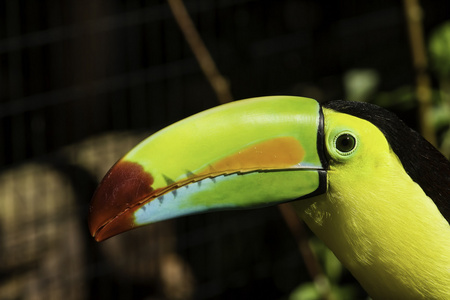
(345, 143)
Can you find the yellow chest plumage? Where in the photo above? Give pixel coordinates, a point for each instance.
(399, 250)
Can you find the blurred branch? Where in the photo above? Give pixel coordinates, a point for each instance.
(413, 13)
(222, 89)
(313, 267)
(217, 81)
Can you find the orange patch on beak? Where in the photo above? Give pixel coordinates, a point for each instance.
(277, 153)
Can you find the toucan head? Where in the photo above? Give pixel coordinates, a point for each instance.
(245, 154)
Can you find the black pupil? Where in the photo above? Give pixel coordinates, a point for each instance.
(345, 143)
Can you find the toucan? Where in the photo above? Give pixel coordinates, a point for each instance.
(371, 188)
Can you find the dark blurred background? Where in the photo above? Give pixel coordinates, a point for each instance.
(81, 82)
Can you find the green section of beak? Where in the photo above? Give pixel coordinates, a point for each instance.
(248, 153)
(203, 139)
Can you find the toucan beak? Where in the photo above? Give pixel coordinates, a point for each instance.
(248, 153)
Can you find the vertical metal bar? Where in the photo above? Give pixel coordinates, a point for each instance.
(135, 61)
(16, 81)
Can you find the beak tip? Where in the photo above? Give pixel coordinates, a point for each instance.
(120, 224)
(111, 208)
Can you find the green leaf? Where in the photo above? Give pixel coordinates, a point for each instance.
(440, 116)
(439, 48)
(360, 84)
(333, 267)
(306, 291)
(401, 98)
(344, 292)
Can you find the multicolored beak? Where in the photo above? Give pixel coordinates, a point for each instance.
(249, 153)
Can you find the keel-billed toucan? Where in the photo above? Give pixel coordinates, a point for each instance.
(371, 188)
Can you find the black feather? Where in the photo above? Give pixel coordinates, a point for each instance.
(423, 163)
